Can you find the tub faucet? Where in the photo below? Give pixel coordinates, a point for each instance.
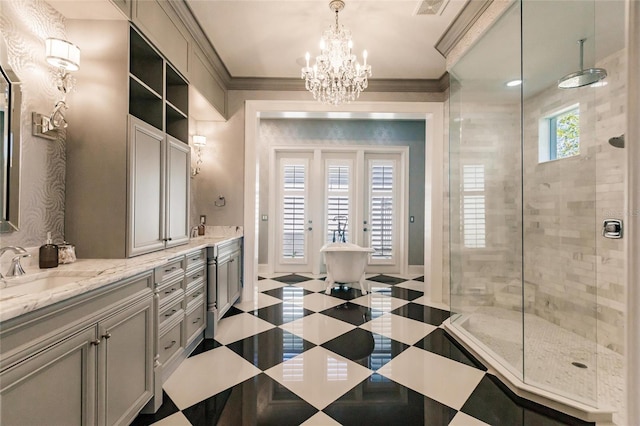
(15, 270)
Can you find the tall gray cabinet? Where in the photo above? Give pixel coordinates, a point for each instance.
(128, 162)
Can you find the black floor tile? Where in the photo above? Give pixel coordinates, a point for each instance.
(282, 313)
(492, 404)
(349, 312)
(386, 279)
(166, 409)
(400, 293)
(231, 312)
(345, 293)
(378, 401)
(270, 347)
(288, 293)
(257, 401)
(291, 279)
(440, 343)
(261, 278)
(369, 349)
(204, 346)
(422, 313)
(421, 279)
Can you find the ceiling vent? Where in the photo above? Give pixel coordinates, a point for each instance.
(431, 7)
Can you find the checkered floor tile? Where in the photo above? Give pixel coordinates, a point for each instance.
(295, 355)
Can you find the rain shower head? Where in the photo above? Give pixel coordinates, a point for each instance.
(584, 77)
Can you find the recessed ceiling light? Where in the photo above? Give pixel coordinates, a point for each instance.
(600, 83)
(514, 83)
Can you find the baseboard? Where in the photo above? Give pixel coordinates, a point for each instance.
(415, 269)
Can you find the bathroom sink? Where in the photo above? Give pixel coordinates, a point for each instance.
(26, 285)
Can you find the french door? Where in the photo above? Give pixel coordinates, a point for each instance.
(349, 195)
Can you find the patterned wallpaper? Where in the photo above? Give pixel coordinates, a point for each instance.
(24, 24)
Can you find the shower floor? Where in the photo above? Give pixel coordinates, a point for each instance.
(549, 353)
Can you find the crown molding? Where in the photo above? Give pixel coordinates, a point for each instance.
(461, 24)
(375, 85)
(184, 12)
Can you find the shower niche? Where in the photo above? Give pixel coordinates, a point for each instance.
(536, 291)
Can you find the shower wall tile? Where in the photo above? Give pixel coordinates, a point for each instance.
(576, 274)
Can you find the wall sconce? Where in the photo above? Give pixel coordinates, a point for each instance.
(65, 56)
(198, 142)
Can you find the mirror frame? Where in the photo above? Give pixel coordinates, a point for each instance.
(11, 144)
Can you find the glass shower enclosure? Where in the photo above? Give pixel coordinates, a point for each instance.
(534, 283)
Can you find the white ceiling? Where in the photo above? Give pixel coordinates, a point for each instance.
(268, 38)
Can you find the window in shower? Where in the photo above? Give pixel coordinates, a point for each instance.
(560, 134)
(473, 206)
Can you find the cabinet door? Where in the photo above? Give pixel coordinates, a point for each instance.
(53, 387)
(222, 284)
(177, 201)
(234, 278)
(146, 188)
(125, 363)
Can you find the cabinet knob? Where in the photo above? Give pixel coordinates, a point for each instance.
(106, 335)
(95, 342)
(173, 311)
(173, 342)
(197, 320)
(170, 291)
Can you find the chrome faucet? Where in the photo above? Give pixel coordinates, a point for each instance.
(15, 270)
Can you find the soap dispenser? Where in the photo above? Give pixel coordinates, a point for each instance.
(203, 219)
(48, 257)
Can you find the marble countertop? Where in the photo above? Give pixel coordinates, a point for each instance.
(21, 295)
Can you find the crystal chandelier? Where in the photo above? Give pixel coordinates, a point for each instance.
(336, 77)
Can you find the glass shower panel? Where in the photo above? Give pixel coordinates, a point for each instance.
(485, 193)
(560, 230)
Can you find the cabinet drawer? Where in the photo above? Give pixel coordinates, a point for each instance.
(195, 322)
(170, 343)
(195, 278)
(173, 268)
(172, 310)
(170, 289)
(195, 258)
(193, 294)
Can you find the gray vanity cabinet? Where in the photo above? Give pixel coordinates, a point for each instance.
(33, 393)
(158, 189)
(84, 361)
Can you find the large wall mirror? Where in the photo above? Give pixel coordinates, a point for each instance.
(10, 104)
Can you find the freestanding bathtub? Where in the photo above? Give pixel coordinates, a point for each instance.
(345, 264)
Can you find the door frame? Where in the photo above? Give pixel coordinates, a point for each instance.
(433, 115)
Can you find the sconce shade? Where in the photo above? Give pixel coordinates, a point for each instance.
(199, 140)
(62, 54)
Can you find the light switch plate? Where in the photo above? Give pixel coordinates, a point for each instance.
(265, 218)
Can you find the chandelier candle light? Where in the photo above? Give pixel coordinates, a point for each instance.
(336, 77)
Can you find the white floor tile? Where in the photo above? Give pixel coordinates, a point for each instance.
(320, 419)
(312, 285)
(260, 300)
(239, 327)
(412, 285)
(437, 377)
(319, 302)
(380, 302)
(177, 419)
(462, 419)
(317, 328)
(264, 285)
(399, 328)
(319, 376)
(207, 374)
